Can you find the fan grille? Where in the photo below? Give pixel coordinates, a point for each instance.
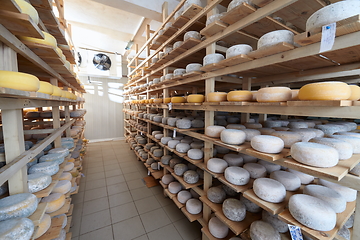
(102, 62)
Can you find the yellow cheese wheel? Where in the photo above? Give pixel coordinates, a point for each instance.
(238, 96)
(63, 94)
(254, 93)
(57, 91)
(19, 81)
(355, 93)
(167, 100)
(67, 65)
(178, 100)
(48, 40)
(68, 95)
(195, 98)
(46, 87)
(59, 51)
(273, 94)
(325, 91)
(158, 100)
(294, 94)
(151, 100)
(44, 225)
(28, 9)
(216, 97)
(55, 202)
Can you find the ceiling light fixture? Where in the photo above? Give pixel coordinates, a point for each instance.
(129, 45)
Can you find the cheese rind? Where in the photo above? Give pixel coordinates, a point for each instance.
(261, 230)
(49, 168)
(269, 190)
(20, 205)
(238, 96)
(216, 97)
(237, 175)
(38, 182)
(28, 9)
(289, 138)
(55, 202)
(344, 148)
(62, 187)
(43, 226)
(234, 210)
(290, 181)
(217, 228)
(267, 144)
(325, 91)
(233, 136)
(274, 94)
(19, 81)
(46, 87)
(16, 229)
(214, 131)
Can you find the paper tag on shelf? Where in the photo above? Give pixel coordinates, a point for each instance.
(174, 133)
(141, 133)
(295, 232)
(170, 106)
(328, 37)
(149, 173)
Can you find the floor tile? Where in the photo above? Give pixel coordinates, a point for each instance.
(143, 237)
(157, 189)
(140, 193)
(132, 176)
(117, 188)
(95, 169)
(163, 200)
(95, 184)
(95, 221)
(130, 169)
(78, 198)
(95, 176)
(188, 230)
(128, 229)
(123, 212)
(164, 233)
(75, 238)
(112, 167)
(120, 198)
(154, 220)
(147, 204)
(115, 180)
(110, 160)
(96, 205)
(95, 194)
(137, 183)
(105, 233)
(113, 173)
(173, 212)
(127, 164)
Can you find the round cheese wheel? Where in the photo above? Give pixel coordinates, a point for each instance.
(195, 154)
(63, 151)
(43, 226)
(62, 187)
(273, 94)
(19, 81)
(174, 161)
(261, 230)
(325, 91)
(217, 228)
(267, 144)
(238, 50)
(275, 37)
(195, 98)
(217, 165)
(38, 182)
(213, 58)
(249, 205)
(344, 148)
(234, 210)
(194, 206)
(50, 168)
(314, 154)
(238, 96)
(250, 133)
(248, 158)
(290, 180)
(192, 34)
(193, 67)
(174, 187)
(306, 133)
(221, 150)
(266, 131)
(46, 87)
(270, 167)
(269, 190)
(197, 144)
(197, 123)
(298, 125)
(233, 159)
(28, 9)
(312, 212)
(252, 125)
(237, 175)
(274, 221)
(52, 157)
(17, 229)
(65, 176)
(68, 166)
(295, 94)
(183, 196)
(49, 40)
(333, 198)
(233, 136)
(166, 100)
(191, 176)
(214, 131)
(355, 93)
(178, 100)
(216, 97)
(56, 91)
(289, 138)
(354, 141)
(304, 178)
(55, 202)
(20, 205)
(348, 193)
(172, 121)
(235, 126)
(256, 170)
(183, 123)
(180, 168)
(167, 178)
(165, 140)
(216, 194)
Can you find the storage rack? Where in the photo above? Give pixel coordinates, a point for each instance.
(284, 64)
(46, 64)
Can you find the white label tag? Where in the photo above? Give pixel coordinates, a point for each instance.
(141, 133)
(328, 37)
(174, 133)
(295, 232)
(149, 173)
(170, 106)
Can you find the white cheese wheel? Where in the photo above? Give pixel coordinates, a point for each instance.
(193, 67)
(238, 50)
(233, 136)
(158, 152)
(248, 158)
(234, 210)
(195, 154)
(270, 167)
(354, 141)
(306, 133)
(52, 157)
(16, 229)
(233, 4)
(348, 193)
(274, 221)
(269, 190)
(239, 96)
(237, 175)
(20, 205)
(217, 228)
(325, 91)
(256, 170)
(314, 154)
(312, 212)
(212, 58)
(355, 93)
(290, 180)
(304, 178)
(166, 159)
(217, 165)
(38, 182)
(174, 161)
(180, 168)
(335, 200)
(183, 196)
(43, 226)
(174, 187)
(192, 34)
(344, 148)
(216, 194)
(249, 205)
(19, 81)
(172, 143)
(271, 124)
(62, 187)
(195, 98)
(183, 123)
(191, 177)
(233, 159)
(251, 125)
(214, 131)
(157, 136)
(275, 37)
(216, 97)
(289, 138)
(194, 206)
(260, 230)
(55, 202)
(165, 140)
(182, 147)
(63, 151)
(167, 178)
(266, 131)
(267, 144)
(273, 94)
(298, 125)
(69, 166)
(250, 133)
(235, 126)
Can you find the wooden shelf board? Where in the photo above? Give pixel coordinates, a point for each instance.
(189, 43)
(191, 11)
(340, 221)
(177, 203)
(195, 162)
(46, 192)
(63, 209)
(163, 185)
(213, 28)
(157, 174)
(191, 217)
(38, 214)
(67, 227)
(215, 207)
(268, 156)
(69, 213)
(68, 236)
(206, 232)
(237, 13)
(170, 195)
(192, 74)
(335, 103)
(271, 50)
(54, 230)
(42, 50)
(211, 67)
(273, 208)
(185, 184)
(242, 58)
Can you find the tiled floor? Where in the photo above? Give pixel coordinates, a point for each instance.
(114, 204)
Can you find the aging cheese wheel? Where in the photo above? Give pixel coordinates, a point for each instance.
(212, 58)
(306, 133)
(178, 100)
(274, 94)
(235, 126)
(183, 123)
(172, 143)
(16, 229)
(233, 159)
(355, 92)
(195, 98)
(249, 205)
(56, 91)
(65, 176)
(49, 168)
(312, 212)
(46, 87)
(62, 187)
(216, 194)
(166, 100)
(267, 144)
(217, 165)
(52, 157)
(43, 226)
(217, 228)
(238, 96)
(354, 141)
(183, 196)
(180, 168)
(250, 133)
(194, 206)
(55, 202)
(216, 97)
(238, 50)
(275, 37)
(348, 193)
(49, 40)
(191, 176)
(28, 9)
(270, 167)
(290, 180)
(38, 182)
(269, 190)
(68, 166)
(19, 81)
(214, 131)
(20, 205)
(304, 178)
(248, 158)
(167, 178)
(266, 131)
(260, 230)
(234, 210)
(274, 221)
(256, 170)
(233, 136)
(289, 138)
(174, 187)
(237, 175)
(325, 91)
(63, 151)
(195, 154)
(344, 148)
